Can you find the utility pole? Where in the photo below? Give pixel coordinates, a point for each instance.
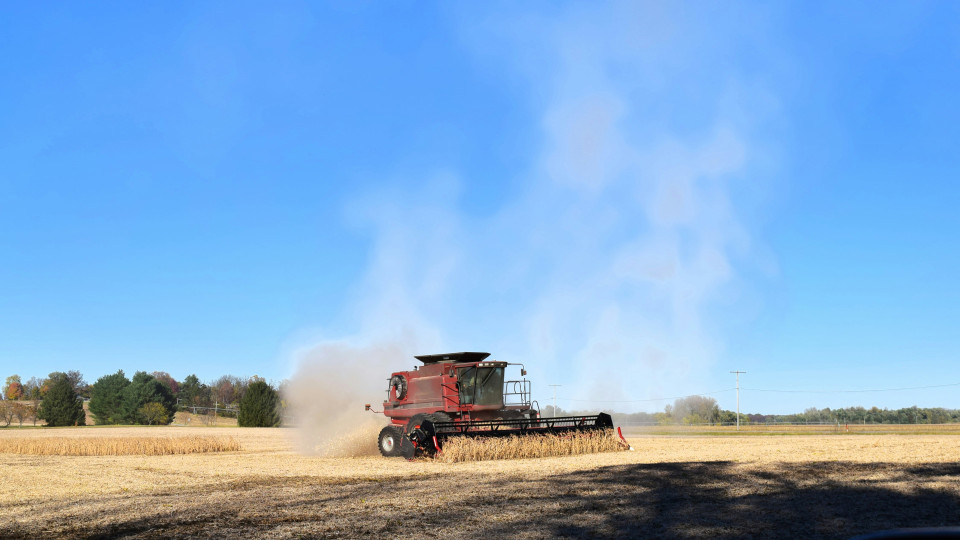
(554, 397)
(738, 397)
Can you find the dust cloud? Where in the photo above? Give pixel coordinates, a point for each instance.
(328, 390)
(622, 246)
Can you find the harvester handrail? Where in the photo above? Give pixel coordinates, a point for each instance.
(521, 388)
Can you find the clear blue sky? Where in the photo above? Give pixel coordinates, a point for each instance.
(635, 199)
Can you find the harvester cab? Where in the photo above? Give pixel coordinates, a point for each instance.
(464, 395)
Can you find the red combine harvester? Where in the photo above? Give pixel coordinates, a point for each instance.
(464, 395)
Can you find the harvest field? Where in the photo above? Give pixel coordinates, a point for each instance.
(687, 485)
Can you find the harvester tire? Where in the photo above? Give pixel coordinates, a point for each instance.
(390, 441)
(415, 421)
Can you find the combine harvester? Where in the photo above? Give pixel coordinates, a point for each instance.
(464, 395)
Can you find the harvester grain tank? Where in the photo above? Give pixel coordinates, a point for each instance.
(465, 395)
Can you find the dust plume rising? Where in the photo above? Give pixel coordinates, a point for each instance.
(328, 390)
(613, 262)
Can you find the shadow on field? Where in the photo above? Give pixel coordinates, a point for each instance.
(722, 499)
(665, 500)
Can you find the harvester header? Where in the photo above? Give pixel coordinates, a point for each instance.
(465, 395)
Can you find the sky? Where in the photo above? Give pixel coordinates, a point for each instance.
(632, 199)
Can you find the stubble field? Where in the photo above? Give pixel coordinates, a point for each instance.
(685, 485)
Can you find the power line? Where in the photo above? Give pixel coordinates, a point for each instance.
(851, 391)
(555, 397)
(645, 400)
(560, 398)
(738, 396)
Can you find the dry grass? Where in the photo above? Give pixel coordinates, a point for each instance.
(679, 486)
(458, 449)
(117, 446)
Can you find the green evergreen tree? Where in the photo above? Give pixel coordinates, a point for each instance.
(107, 397)
(143, 389)
(259, 406)
(190, 390)
(61, 406)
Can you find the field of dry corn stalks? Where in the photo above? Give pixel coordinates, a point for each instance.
(460, 449)
(117, 446)
(672, 486)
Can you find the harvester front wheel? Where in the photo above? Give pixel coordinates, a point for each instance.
(390, 441)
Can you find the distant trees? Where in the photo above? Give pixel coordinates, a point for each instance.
(106, 398)
(704, 410)
(61, 406)
(283, 389)
(6, 412)
(79, 385)
(115, 399)
(860, 415)
(18, 411)
(143, 389)
(31, 389)
(228, 390)
(938, 415)
(259, 406)
(144, 400)
(549, 411)
(24, 410)
(195, 393)
(155, 413)
(675, 414)
(165, 379)
(695, 410)
(13, 389)
(39, 389)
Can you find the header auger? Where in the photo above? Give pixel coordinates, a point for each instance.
(465, 395)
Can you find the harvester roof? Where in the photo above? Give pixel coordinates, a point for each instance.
(452, 357)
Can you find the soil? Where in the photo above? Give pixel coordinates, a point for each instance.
(812, 486)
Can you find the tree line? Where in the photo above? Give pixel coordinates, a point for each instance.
(53, 400)
(698, 410)
(861, 415)
(146, 399)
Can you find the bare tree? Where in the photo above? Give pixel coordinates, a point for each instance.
(80, 386)
(31, 389)
(6, 412)
(20, 412)
(30, 408)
